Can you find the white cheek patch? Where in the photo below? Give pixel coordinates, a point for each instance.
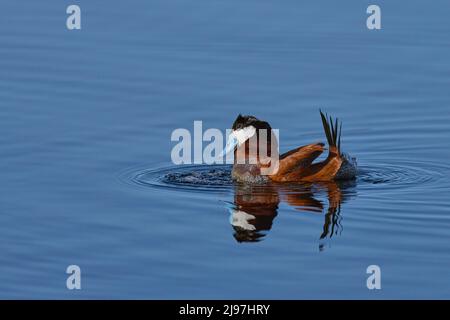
(237, 138)
(244, 134)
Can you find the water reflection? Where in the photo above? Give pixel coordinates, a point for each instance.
(255, 207)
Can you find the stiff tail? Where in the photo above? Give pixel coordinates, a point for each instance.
(333, 131)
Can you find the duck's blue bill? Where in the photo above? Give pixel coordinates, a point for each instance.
(232, 142)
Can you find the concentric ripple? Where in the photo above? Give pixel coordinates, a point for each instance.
(385, 175)
(205, 178)
(401, 174)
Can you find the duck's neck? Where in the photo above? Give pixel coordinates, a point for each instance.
(247, 173)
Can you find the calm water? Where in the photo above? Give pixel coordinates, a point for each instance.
(85, 124)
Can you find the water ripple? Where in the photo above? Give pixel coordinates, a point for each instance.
(380, 174)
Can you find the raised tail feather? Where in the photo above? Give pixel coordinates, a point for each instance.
(333, 130)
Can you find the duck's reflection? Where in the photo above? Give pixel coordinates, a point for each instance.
(253, 211)
(255, 206)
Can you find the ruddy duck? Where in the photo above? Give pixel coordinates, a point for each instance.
(293, 166)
